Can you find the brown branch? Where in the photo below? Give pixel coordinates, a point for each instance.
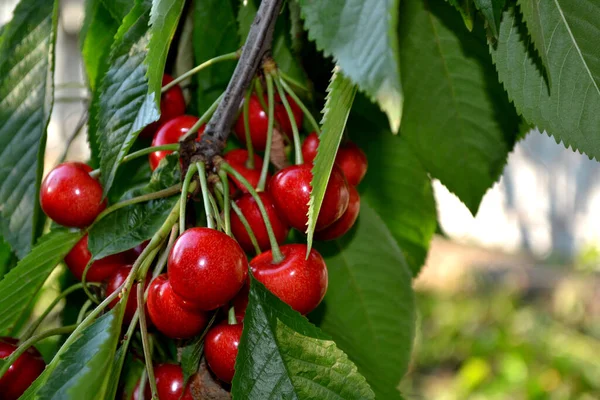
(258, 44)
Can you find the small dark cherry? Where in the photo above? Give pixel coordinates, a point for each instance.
(100, 270)
(168, 314)
(340, 227)
(240, 301)
(290, 190)
(221, 349)
(133, 254)
(250, 210)
(114, 282)
(169, 383)
(297, 281)
(309, 147)
(22, 372)
(169, 133)
(70, 196)
(207, 268)
(238, 160)
(172, 104)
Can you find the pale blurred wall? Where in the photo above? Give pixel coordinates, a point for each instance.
(548, 198)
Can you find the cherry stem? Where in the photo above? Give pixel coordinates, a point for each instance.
(184, 194)
(85, 283)
(203, 119)
(302, 106)
(294, 82)
(231, 318)
(86, 306)
(76, 131)
(204, 187)
(271, 115)
(244, 221)
(10, 360)
(33, 327)
(275, 251)
(162, 260)
(136, 154)
(144, 334)
(288, 109)
(215, 210)
(225, 57)
(226, 205)
(246, 114)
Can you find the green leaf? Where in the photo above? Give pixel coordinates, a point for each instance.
(566, 107)
(395, 180)
(282, 355)
(20, 285)
(215, 33)
(26, 98)
(361, 36)
(369, 306)
(82, 371)
(465, 8)
(457, 117)
(340, 95)
(492, 12)
(7, 258)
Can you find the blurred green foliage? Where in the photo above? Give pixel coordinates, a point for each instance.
(505, 344)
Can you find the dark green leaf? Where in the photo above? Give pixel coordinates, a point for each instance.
(7, 258)
(361, 36)
(118, 8)
(565, 34)
(396, 185)
(492, 12)
(20, 285)
(215, 33)
(369, 306)
(282, 355)
(340, 95)
(465, 8)
(26, 96)
(457, 117)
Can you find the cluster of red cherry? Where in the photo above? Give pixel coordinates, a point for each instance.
(207, 269)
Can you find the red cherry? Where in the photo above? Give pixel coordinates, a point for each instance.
(170, 133)
(169, 383)
(290, 189)
(100, 270)
(133, 254)
(250, 210)
(340, 227)
(309, 147)
(168, 314)
(22, 372)
(70, 196)
(221, 349)
(240, 301)
(237, 159)
(172, 104)
(207, 267)
(114, 282)
(299, 282)
(282, 116)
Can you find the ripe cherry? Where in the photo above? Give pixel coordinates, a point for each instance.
(170, 133)
(250, 210)
(114, 282)
(172, 104)
(207, 267)
(290, 189)
(340, 227)
(70, 196)
(240, 301)
(169, 315)
(100, 270)
(22, 372)
(299, 282)
(221, 349)
(238, 160)
(350, 158)
(169, 383)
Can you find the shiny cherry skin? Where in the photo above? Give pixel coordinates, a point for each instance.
(250, 210)
(221, 349)
(238, 159)
(299, 282)
(114, 282)
(169, 383)
(169, 315)
(169, 133)
(340, 227)
(172, 104)
(350, 158)
(100, 270)
(207, 267)
(70, 196)
(22, 372)
(290, 191)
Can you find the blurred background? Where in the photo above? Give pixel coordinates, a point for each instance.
(509, 301)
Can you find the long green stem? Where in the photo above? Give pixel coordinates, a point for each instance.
(145, 341)
(275, 251)
(291, 80)
(216, 214)
(162, 260)
(84, 309)
(204, 187)
(226, 205)
(169, 147)
(184, 194)
(203, 119)
(244, 221)
(271, 115)
(195, 70)
(302, 106)
(249, 146)
(85, 283)
(288, 109)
